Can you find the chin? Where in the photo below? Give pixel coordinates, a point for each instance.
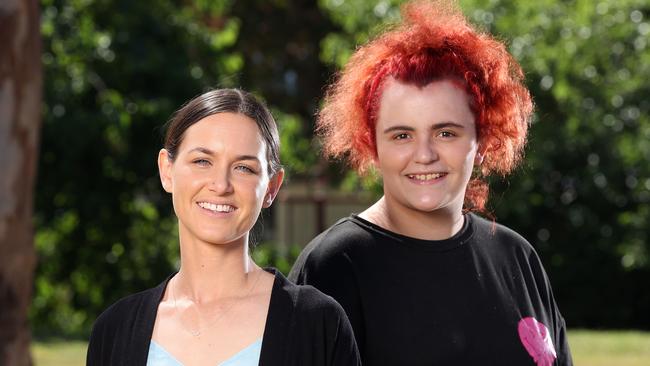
(220, 238)
(429, 206)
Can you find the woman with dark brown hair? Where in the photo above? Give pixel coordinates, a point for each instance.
(220, 162)
(435, 106)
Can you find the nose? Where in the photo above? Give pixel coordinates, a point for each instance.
(221, 183)
(425, 152)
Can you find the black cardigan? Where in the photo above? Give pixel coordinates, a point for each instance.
(303, 327)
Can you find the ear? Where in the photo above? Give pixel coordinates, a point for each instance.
(164, 169)
(480, 155)
(274, 186)
(478, 158)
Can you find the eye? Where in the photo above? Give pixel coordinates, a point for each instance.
(201, 162)
(245, 169)
(401, 136)
(446, 134)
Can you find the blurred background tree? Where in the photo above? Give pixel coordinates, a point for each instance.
(21, 80)
(115, 70)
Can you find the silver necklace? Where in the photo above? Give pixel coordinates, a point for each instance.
(199, 330)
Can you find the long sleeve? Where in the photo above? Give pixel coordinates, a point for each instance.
(332, 274)
(562, 349)
(121, 334)
(342, 347)
(103, 339)
(93, 355)
(306, 327)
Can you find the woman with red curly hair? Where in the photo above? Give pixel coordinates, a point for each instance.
(435, 106)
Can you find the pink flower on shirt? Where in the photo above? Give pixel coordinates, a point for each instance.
(537, 341)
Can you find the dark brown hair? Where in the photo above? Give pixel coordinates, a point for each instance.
(221, 101)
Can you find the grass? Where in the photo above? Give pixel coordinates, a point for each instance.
(589, 348)
(610, 348)
(59, 353)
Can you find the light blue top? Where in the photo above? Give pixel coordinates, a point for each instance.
(249, 356)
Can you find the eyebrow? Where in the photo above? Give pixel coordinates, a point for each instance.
(212, 153)
(202, 150)
(435, 126)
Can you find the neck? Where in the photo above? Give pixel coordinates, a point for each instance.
(439, 224)
(210, 272)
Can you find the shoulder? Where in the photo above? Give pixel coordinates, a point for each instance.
(123, 312)
(309, 323)
(507, 247)
(344, 236)
(307, 301)
(122, 327)
(311, 301)
(492, 234)
(122, 307)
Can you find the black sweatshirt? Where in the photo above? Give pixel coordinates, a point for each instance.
(303, 327)
(480, 297)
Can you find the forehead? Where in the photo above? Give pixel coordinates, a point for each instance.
(233, 132)
(439, 101)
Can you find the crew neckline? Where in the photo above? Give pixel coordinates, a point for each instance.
(455, 241)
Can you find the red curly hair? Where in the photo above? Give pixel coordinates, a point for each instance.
(433, 42)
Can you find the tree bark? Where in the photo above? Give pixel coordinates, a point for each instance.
(20, 118)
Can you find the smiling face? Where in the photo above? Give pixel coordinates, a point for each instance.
(426, 146)
(218, 179)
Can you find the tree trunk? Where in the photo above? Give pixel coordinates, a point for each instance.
(20, 115)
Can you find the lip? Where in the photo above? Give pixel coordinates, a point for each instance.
(216, 213)
(425, 178)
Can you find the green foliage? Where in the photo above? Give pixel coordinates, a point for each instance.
(359, 20)
(276, 255)
(297, 153)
